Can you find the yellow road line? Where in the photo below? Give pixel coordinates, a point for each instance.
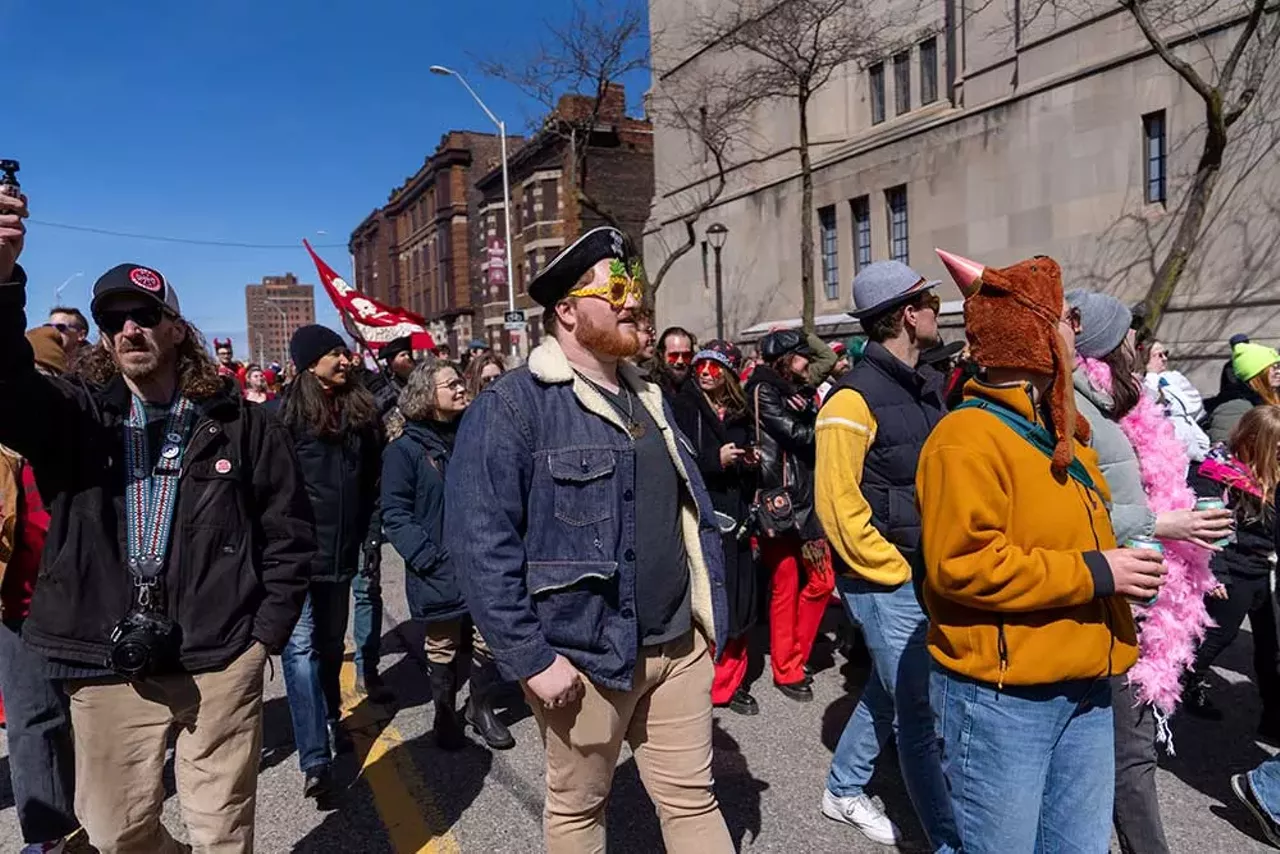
(408, 810)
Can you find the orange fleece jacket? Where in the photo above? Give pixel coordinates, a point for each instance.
(1017, 590)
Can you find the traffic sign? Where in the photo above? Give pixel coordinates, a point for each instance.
(516, 316)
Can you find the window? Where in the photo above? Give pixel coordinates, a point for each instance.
(899, 249)
(1154, 136)
(830, 262)
(861, 209)
(928, 71)
(902, 82)
(877, 93)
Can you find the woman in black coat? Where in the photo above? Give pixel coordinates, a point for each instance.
(797, 561)
(712, 412)
(413, 476)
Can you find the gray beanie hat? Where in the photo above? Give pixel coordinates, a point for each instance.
(1104, 322)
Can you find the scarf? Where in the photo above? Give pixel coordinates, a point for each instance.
(1170, 630)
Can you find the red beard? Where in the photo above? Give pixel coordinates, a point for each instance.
(614, 342)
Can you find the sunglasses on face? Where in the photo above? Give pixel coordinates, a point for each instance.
(679, 358)
(624, 283)
(929, 300)
(1072, 318)
(454, 384)
(111, 321)
(714, 370)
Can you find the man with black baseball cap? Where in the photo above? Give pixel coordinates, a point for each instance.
(154, 623)
(870, 432)
(587, 548)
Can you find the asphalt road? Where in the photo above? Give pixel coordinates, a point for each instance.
(402, 794)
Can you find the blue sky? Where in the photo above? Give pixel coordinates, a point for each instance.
(251, 122)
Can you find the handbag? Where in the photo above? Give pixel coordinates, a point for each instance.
(773, 509)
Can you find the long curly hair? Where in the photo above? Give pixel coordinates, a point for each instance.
(198, 377)
(472, 375)
(418, 399)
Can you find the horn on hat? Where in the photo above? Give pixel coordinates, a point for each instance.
(968, 274)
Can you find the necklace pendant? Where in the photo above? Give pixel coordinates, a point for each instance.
(636, 431)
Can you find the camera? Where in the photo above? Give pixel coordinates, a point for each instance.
(140, 642)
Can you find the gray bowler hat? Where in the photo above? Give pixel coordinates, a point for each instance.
(885, 284)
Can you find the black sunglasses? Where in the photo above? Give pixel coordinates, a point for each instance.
(112, 321)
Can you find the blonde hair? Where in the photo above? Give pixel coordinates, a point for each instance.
(1256, 442)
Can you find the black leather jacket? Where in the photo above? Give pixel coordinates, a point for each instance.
(786, 441)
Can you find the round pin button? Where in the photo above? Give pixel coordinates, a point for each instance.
(173, 438)
(169, 452)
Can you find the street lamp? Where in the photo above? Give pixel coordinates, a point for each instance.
(506, 183)
(717, 234)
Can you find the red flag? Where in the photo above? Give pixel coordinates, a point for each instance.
(370, 321)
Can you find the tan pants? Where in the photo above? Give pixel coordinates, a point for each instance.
(120, 731)
(444, 641)
(666, 719)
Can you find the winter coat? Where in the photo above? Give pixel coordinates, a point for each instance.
(242, 539)
(787, 440)
(540, 521)
(1184, 406)
(341, 477)
(1231, 406)
(413, 476)
(1017, 589)
(1255, 541)
(1130, 514)
(732, 491)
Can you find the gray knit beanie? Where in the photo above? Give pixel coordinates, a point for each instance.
(1104, 322)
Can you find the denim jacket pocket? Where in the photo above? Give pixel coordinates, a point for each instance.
(573, 601)
(584, 488)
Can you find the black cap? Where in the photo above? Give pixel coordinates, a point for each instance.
(310, 343)
(396, 346)
(562, 274)
(784, 341)
(135, 279)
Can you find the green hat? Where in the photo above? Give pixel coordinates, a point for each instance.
(1248, 359)
(855, 346)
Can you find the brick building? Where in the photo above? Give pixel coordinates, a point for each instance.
(414, 251)
(273, 310)
(545, 212)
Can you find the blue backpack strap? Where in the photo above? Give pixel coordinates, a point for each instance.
(1033, 433)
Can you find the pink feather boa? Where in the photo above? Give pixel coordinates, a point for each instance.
(1173, 627)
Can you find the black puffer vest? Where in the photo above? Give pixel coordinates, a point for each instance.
(906, 404)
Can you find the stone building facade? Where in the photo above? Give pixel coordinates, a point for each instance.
(1066, 137)
(274, 309)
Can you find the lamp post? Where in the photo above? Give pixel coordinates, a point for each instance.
(506, 184)
(717, 233)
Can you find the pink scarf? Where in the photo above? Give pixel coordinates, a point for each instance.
(1173, 627)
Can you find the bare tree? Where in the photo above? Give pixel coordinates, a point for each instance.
(786, 51)
(588, 54)
(1228, 83)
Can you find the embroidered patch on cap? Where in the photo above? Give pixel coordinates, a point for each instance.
(146, 279)
(222, 466)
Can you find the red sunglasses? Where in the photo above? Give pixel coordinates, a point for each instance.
(678, 358)
(712, 369)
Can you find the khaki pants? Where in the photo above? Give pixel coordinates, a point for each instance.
(444, 641)
(666, 719)
(120, 731)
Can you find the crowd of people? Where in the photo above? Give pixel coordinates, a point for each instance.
(1042, 535)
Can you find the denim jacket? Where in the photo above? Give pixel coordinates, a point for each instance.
(540, 522)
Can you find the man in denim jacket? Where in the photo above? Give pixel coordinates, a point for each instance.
(584, 540)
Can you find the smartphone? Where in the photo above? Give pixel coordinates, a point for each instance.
(9, 180)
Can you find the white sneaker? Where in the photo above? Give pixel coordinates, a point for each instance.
(861, 812)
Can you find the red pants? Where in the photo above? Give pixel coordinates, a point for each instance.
(795, 612)
(731, 669)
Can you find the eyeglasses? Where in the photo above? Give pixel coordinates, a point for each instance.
(624, 283)
(64, 328)
(454, 384)
(679, 358)
(714, 370)
(111, 321)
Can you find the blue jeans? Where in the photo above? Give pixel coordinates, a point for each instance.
(312, 665)
(1030, 768)
(41, 753)
(1265, 782)
(896, 698)
(367, 621)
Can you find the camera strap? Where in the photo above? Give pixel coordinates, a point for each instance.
(151, 492)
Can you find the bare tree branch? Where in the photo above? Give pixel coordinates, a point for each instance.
(1139, 11)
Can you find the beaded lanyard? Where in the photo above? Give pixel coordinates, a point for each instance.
(152, 494)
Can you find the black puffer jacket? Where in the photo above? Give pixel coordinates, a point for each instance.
(341, 477)
(1250, 555)
(242, 539)
(786, 439)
